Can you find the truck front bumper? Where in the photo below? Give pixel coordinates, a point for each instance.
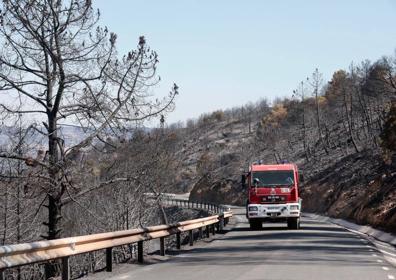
(273, 211)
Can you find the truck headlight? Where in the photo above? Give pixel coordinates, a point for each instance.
(293, 207)
(253, 208)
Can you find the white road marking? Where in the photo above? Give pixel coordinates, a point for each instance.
(378, 243)
(385, 268)
(391, 277)
(374, 255)
(380, 261)
(387, 253)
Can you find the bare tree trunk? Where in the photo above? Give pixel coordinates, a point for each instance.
(5, 217)
(349, 122)
(305, 144)
(18, 212)
(316, 83)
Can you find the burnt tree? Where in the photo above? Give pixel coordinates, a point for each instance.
(65, 69)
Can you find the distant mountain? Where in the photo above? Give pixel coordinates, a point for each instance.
(71, 134)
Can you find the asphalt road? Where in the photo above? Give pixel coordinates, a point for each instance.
(317, 251)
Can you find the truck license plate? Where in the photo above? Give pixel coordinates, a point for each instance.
(273, 215)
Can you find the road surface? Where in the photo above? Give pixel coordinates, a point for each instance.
(317, 251)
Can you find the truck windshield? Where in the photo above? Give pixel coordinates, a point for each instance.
(273, 178)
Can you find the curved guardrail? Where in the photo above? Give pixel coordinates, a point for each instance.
(45, 251)
(196, 205)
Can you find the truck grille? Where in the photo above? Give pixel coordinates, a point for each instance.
(273, 198)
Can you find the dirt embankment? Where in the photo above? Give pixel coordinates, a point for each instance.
(358, 187)
(223, 191)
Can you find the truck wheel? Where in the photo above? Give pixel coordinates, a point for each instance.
(293, 223)
(255, 224)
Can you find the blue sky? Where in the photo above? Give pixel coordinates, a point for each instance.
(225, 53)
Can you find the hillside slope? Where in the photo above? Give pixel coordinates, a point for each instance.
(358, 186)
(343, 140)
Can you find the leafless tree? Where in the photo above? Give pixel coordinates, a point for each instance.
(300, 93)
(64, 68)
(316, 83)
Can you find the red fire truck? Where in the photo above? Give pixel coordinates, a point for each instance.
(273, 194)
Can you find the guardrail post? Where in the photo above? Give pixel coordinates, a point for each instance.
(191, 237)
(65, 269)
(140, 251)
(109, 259)
(162, 246)
(207, 231)
(178, 241)
(221, 223)
(200, 233)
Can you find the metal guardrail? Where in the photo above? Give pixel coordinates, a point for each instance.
(45, 251)
(196, 205)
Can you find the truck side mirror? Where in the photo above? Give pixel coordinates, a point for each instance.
(243, 180)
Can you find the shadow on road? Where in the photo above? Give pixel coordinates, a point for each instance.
(304, 227)
(316, 242)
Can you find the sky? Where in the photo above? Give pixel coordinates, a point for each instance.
(226, 53)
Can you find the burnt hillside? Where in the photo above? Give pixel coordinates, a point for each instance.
(341, 133)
